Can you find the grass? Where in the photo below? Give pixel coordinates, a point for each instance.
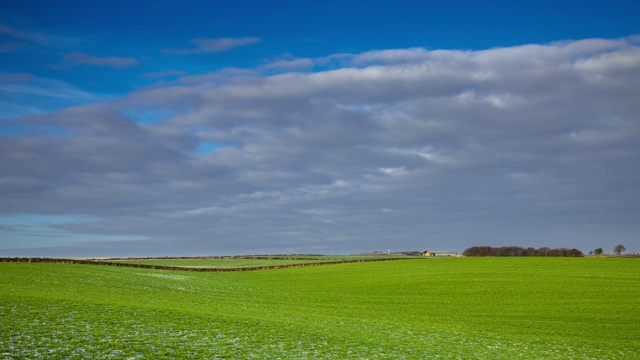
(467, 308)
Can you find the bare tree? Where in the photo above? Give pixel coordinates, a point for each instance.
(618, 249)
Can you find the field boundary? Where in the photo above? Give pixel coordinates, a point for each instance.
(192, 269)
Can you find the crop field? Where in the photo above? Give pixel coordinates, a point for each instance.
(444, 308)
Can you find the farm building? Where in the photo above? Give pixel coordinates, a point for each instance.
(439, 253)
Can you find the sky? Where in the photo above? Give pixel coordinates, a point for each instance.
(193, 128)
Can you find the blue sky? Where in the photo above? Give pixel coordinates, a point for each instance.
(217, 127)
(140, 30)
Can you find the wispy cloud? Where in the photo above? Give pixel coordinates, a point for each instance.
(14, 77)
(38, 37)
(164, 74)
(288, 64)
(213, 45)
(74, 59)
(10, 46)
(25, 94)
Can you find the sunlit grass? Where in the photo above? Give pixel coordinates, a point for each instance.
(486, 308)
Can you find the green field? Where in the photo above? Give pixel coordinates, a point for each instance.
(448, 308)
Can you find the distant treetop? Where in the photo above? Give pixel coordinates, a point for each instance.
(519, 251)
(619, 249)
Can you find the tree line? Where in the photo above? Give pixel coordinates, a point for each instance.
(519, 251)
(181, 268)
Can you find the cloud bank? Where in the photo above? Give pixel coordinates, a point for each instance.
(407, 149)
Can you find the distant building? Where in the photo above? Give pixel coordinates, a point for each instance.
(407, 253)
(439, 253)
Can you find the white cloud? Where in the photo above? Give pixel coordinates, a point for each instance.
(394, 56)
(629, 59)
(394, 171)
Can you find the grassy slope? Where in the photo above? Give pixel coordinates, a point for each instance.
(490, 308)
